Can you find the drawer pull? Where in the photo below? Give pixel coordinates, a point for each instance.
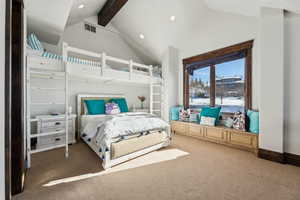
(57, 123)
(57, 139)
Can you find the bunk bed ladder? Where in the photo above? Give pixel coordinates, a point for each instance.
(156, 97)
(46, 75)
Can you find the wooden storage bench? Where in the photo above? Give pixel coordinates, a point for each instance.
(218, 134)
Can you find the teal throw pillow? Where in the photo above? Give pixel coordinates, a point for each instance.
(213, 112)
(121, 103)
(254, 121)
(95, 107)
(174, 112)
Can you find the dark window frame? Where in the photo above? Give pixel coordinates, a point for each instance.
(245, 47)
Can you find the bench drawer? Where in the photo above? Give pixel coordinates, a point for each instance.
(215, 133)
(195, 130)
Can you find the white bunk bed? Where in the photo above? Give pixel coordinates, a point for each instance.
(94, 69)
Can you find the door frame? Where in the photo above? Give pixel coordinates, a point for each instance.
(7, 99)
(14, 92)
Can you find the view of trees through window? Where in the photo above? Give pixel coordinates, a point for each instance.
(229, 86)
(200, 88)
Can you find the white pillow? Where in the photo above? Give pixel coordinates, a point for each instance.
(207, 121)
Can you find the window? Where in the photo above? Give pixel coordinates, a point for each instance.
(200, 88)
(230, 85)
(219, 78)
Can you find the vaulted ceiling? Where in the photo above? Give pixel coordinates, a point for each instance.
(91, 8)
(152, 19)
(242, 7)
(251, 7)
(48, 18)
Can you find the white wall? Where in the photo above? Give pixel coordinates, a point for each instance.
(48, 18)
(292, 82)
(271, 79)
(105, 40)
(219, 31)
(82, 87)
(2, 77)
(170, 70)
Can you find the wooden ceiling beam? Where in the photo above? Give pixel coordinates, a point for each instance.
(109, 10)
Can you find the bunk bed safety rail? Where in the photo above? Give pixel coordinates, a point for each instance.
(104, 59)
(110, 58)
(83, 52)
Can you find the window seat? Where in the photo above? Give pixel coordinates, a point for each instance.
(218, 134)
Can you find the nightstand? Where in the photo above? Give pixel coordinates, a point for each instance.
(54, 123)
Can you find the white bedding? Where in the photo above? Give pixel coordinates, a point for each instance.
(108, 127)
(85, 119)
(100, 132)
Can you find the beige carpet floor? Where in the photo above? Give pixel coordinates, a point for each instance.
(209, 172)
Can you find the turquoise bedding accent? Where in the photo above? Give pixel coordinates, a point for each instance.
(70, 59)
(121, 103)
(51, 56)
(95, 107)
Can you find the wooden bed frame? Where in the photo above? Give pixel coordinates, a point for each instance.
(107, 161)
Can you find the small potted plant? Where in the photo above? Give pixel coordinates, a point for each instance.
(142, 99)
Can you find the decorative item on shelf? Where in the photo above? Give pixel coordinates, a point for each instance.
(142, 99)
(184, 115)
(239, 121)
(228, 122)
(194, 115)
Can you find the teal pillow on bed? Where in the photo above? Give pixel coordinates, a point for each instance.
(95, 107)
(121, 103)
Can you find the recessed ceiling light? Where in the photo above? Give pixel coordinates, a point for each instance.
(142, 36)
(81, 6)
(172, 18)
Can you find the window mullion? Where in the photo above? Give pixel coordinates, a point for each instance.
(212, 85)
